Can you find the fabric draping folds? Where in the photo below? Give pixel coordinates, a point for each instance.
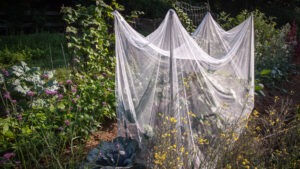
(198, 87)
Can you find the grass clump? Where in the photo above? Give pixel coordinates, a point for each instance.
(46, 50)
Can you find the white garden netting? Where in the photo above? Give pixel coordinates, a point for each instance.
(182, 95)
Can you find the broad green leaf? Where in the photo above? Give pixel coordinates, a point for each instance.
(52, 108)
(5, 128)
(61, 105)
(265, 72)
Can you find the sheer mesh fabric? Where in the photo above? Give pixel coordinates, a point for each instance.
(176, 89)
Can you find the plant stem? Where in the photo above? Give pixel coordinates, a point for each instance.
(51, 56)
(63, 52)
(51, 151)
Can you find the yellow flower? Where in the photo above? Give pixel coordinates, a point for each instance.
(159, 158)
(202, 141)
(223, 135)
(174, 131)
(245, 162)
(173, 120)
(228, 166)
(234, 137)
(182, 149)
(255, 113)
(192, 114)
(276, 98)
(206, 123)
(240, 157)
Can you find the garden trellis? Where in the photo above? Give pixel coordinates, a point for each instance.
(196, 13)
(183, 91)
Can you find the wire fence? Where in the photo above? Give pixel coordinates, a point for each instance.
(195, 13)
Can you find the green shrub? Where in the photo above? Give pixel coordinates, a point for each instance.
(270, 140)
(8, 57)
(272, 50)
(42, 49)
(39, 117)
(88, 34)
(184, 18)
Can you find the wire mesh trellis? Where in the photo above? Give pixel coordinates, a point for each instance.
(195, 13)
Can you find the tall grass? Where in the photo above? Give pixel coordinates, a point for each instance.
(40, 49)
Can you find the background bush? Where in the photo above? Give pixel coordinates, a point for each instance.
(46, 50)
(269, 140)
(273, 50)
(39, 117)
(90, 39)
(42, 117)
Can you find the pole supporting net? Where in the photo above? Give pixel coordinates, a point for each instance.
(184, 97)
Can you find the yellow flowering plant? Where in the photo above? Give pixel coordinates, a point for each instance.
(165, 151)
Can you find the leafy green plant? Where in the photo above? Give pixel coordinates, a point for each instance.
(88, 35)
(46, 50)
(184, 18)
(165, 152)
(8, 57)
(269, 139)
(35, 110)
(272, 50)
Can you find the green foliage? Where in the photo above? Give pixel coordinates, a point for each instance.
(184, 18)
(8, 57)
(42, 117)
(62, 74)
(97, 95)
(38, 111)
(88, 35)
(272, 50)
(269, 140)
(41, 49)
(134, 15)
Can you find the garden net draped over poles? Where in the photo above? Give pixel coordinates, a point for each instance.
(181, 96)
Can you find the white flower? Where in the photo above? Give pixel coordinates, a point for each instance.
(148, 131)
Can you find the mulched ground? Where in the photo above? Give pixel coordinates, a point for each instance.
(107, 132)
